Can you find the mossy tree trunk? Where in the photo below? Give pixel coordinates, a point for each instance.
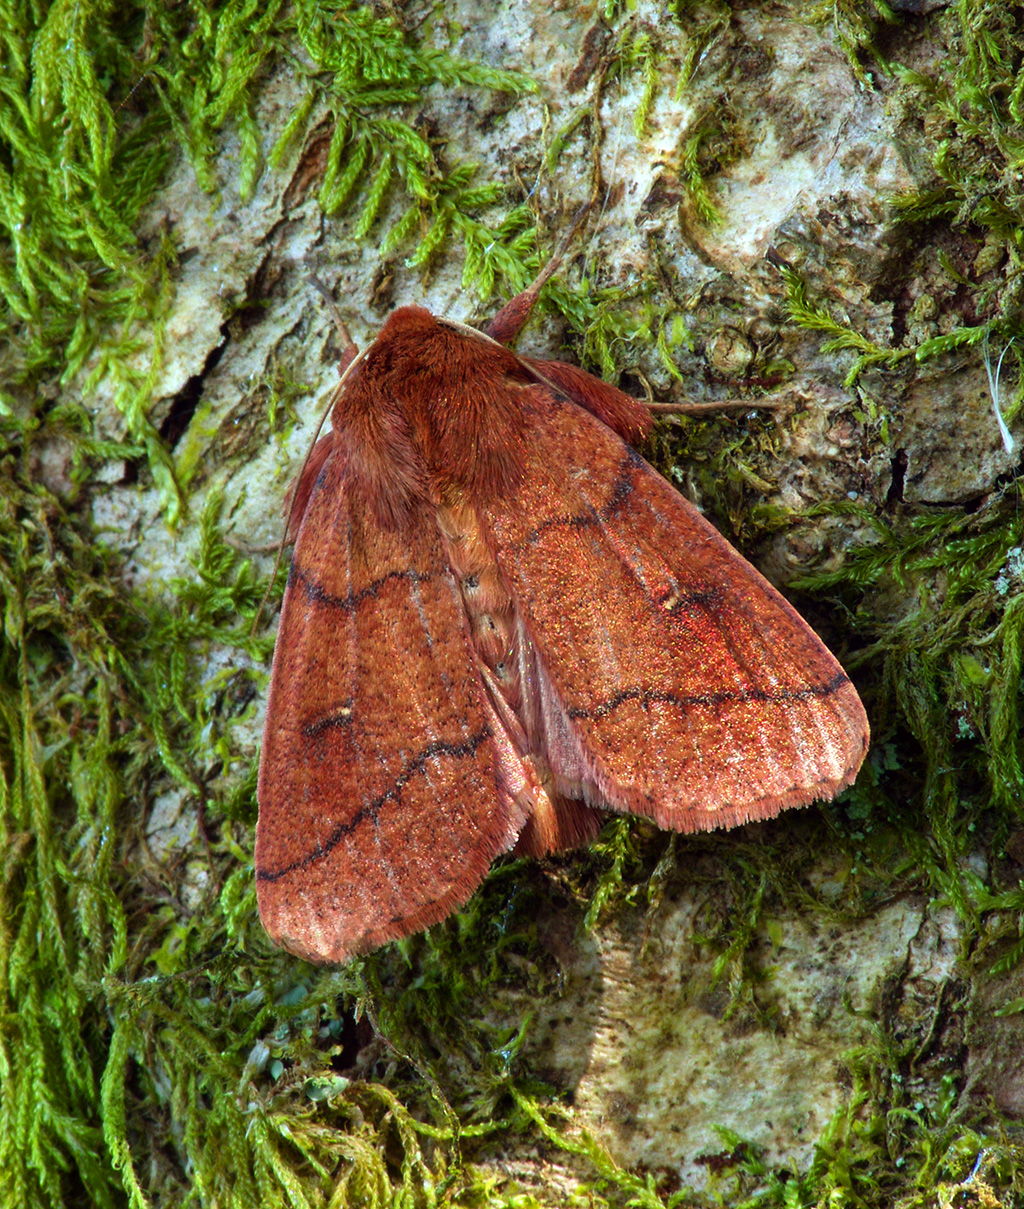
(819, 216)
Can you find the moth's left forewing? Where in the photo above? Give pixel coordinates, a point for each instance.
(386, 787)
(672, 679)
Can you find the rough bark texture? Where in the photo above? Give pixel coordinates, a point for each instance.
(639, 1032)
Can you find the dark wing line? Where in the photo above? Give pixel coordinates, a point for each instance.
(370, 811)
(651, 697)
(622, 488)
(315, 594)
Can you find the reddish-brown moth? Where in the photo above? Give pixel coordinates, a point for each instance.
(500, 620)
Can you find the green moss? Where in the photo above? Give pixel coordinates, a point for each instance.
(634, 53)
(365, 66)
(856, 25)
(841, 335)
(133, 1061)
(948, 668)
(96, 99)
(154, 1048)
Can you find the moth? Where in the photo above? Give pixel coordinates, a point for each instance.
(499, 623)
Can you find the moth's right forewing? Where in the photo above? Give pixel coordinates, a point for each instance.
(672, 679)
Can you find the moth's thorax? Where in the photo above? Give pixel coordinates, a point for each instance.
(431, 410)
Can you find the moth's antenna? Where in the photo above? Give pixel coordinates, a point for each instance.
(769, 402)
(349, 349)
(350, 358)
